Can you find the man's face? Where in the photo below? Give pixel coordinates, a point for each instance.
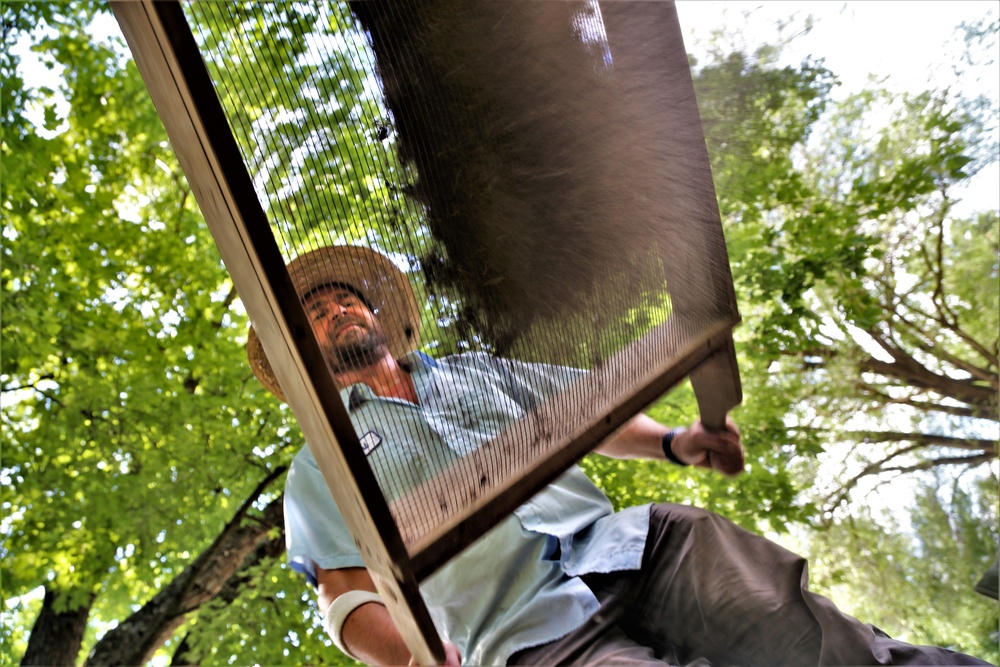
(348, 333)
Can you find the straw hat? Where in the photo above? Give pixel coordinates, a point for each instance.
(376, 279)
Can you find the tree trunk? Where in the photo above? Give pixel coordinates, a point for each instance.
(230, 591)
(133, 641)
(56, 636)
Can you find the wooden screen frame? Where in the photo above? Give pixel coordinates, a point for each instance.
(179, 84)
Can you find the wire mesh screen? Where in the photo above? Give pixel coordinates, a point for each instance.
(535, 172)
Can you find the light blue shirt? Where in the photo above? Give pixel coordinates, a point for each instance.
(508, 590)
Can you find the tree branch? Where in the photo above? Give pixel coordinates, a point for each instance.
(925, 406)
(922, 340)
(228, 301)
(133, 641)
(991, 359)
(35, 388)
(30, 385)
(926, 440)
(942, 461)
(912, 373)
(935, 265)
(838, 497)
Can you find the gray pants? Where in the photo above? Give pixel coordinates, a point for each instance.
(711, 593)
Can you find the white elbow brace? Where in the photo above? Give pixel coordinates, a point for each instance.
(340, 609)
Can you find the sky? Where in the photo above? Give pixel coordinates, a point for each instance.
(910, 42)
(912, 45)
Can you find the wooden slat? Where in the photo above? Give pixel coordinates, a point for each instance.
(168, 59)
(716, 384)
(690, 259)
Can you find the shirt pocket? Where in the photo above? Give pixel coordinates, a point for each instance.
(467, 416)
(409, 455)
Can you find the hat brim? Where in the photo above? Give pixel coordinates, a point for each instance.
(380, 283)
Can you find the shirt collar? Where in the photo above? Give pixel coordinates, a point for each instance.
(417, 359)
(357, 394)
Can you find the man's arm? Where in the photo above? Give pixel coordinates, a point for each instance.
(642, 438)
(368, 633)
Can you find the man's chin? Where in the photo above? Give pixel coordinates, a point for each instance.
(349, 335)
(355, 353)
(348, 328)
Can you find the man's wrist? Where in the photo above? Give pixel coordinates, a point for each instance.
(338, 611)
(668, 441)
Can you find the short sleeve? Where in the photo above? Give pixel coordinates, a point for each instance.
(315, 532)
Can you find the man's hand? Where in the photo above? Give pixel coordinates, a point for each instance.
(452, 656)
(718, 450)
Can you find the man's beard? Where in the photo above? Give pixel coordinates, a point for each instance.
(359, 352)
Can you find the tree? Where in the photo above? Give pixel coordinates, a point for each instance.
(881, 293)
(127, 378)
(131, 436)
(864, 289)
(854, 235)
(908, 338)
(931, 565)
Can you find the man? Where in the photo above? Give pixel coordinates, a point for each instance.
(564, 579)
